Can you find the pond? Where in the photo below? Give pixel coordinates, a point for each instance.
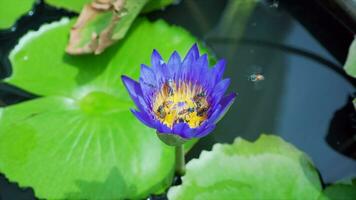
(294, 48)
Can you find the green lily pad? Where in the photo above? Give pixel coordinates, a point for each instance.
(12, 10)
(79, 140)
(75, 5)
(350, 64)
(266, 169)
(340, 191)
(64, 151)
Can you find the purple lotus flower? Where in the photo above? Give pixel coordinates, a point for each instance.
(183, 98)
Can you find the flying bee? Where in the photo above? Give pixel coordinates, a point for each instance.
(255, 74)
(255, 77)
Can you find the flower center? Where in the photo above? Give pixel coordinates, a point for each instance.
(177, 103)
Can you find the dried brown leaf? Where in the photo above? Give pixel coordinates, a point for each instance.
(99, 40)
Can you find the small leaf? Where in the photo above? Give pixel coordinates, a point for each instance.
(102, 24)
(350, 64)
(80, 141)
(340, 191)
(266, 169)
(12, 10)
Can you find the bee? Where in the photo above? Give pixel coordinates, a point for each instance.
(256, 77)
(190, 110)
(160, 111)
(198, 98)
(202, 111)
(200, 102)
(255, 74)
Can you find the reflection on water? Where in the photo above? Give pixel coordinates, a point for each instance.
(13, 191)
(303, 84)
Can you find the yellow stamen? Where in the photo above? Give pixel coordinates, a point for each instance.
(182, 102)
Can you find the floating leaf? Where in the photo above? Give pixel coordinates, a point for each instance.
(80, 141)
(67, 151)
(266, 169)
(350, 64)
(12, 10)
(101, 24)
(340, 191)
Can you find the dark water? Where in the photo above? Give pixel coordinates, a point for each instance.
(297, 46)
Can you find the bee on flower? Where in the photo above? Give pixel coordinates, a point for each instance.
(184, 98)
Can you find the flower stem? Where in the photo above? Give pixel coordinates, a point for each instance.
(180, 161)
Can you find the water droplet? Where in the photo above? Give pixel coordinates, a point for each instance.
(13, 29)
(30, 13)
(25, 58)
